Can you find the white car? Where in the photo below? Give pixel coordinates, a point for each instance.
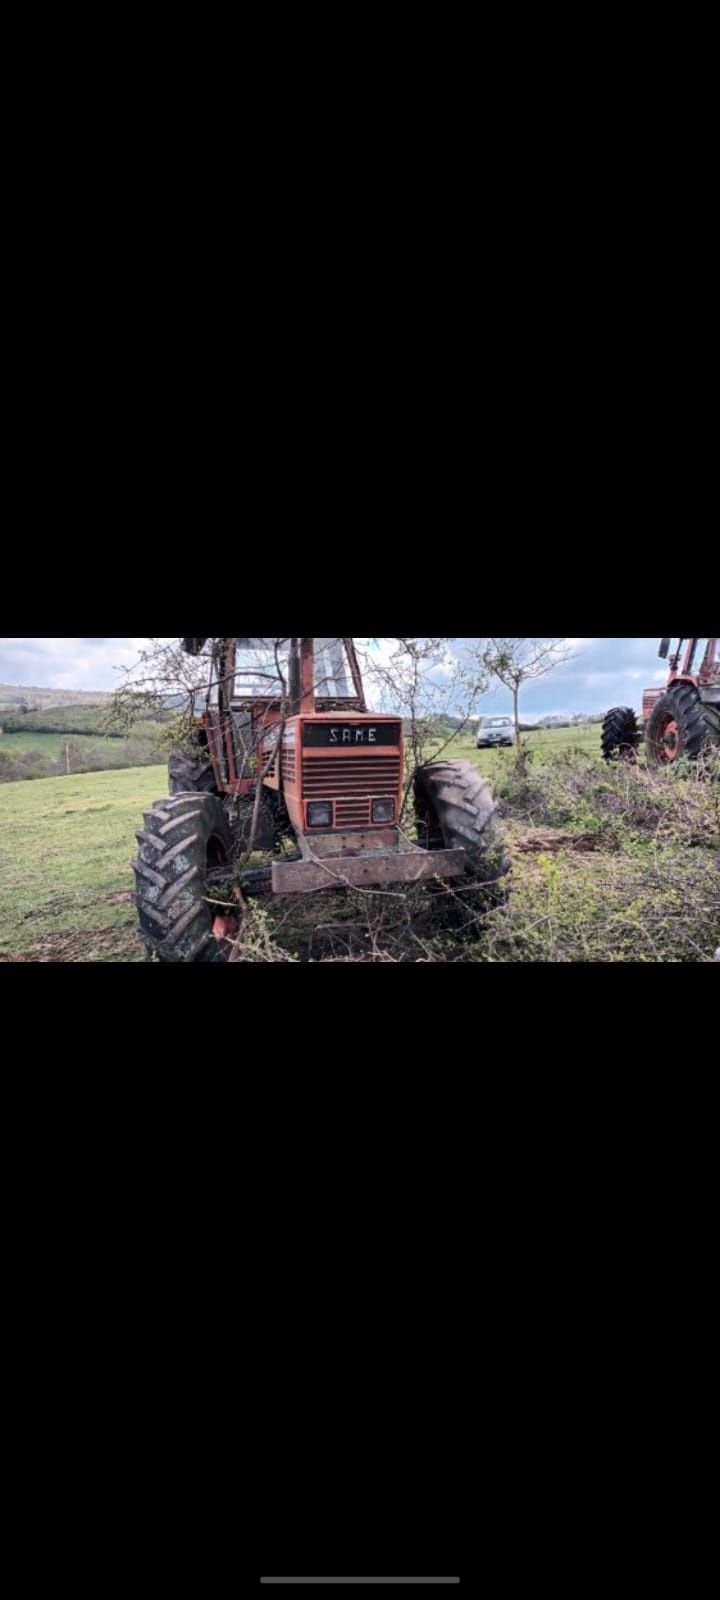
(495, 731)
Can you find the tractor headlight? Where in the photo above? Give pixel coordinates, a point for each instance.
(320, 814)
(383, 811)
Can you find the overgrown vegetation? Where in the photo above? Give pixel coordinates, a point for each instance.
(609, 864)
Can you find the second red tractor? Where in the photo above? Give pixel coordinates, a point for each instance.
(683, 719)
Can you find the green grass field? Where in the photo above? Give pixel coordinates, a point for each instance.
(53, 744)
(544, 744)
(66, 848)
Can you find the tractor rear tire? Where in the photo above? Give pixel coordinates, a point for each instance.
(189, 773)
(621, 735)
(193, 647)
(185, 840)
(456, 810)
(677, 727)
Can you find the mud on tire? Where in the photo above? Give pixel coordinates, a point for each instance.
(185, 840)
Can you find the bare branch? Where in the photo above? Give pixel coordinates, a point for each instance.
(515, 662)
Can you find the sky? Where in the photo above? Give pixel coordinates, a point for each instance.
(602, 673)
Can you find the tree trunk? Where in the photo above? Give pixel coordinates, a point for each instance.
(516, 710)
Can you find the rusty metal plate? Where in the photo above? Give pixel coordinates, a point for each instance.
(321, 845)
(363, 872)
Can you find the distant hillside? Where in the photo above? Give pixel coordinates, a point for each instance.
(88, 718)
(19, 695)
(83, 719)
(55, 741)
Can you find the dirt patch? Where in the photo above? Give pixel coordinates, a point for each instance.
(549, 841)
(66, 902)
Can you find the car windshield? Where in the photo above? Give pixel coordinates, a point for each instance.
(496, 722)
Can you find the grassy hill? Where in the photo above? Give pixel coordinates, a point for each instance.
(13, 694)
(53, 745)
(75, 719)
(55, 719)
(74, 738)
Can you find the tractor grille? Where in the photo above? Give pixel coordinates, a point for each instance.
(288, 766)
(356, 778)
(352, 814)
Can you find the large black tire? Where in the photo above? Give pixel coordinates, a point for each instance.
(193, 647)
(621, 735)
(456, 810)
(677, 727)
(183, 842)
(188, 773)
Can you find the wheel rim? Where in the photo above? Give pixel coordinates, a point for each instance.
(668, 741)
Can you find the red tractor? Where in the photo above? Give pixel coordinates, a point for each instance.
(682, 719)
(286, 759)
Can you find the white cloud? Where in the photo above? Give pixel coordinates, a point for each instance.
(603, 672)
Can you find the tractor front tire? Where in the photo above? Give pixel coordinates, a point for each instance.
(677, 727)
(186, 841)
(621, 735)
(457, 810)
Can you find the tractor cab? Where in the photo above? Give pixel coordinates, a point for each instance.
(296, 672)
(695, 660)
(292, 713)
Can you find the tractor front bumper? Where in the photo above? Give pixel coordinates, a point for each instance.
(362, 861)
